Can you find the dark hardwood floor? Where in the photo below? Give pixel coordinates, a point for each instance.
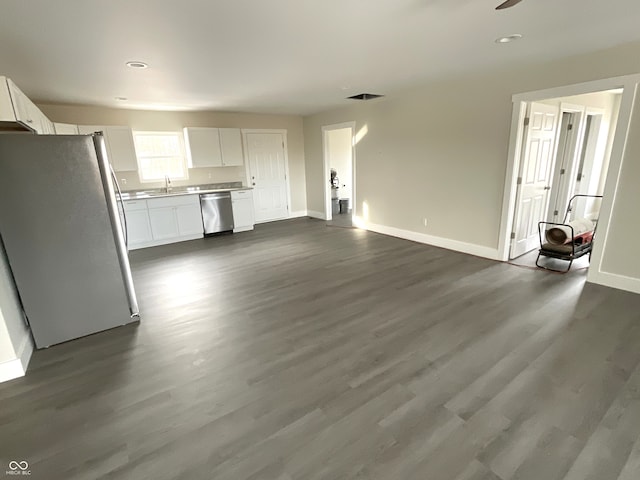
(299, 351)
(341, 220)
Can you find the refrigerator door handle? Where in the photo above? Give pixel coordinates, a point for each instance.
(124, 213)
(123, 257)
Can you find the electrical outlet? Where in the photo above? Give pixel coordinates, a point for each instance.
(124, 181)
(424, 222)
(209, 176)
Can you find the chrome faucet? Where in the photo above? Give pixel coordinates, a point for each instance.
(167, 184)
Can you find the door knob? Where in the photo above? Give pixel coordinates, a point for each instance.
(547, 187)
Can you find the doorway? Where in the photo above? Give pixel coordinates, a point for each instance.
(267, 168)
(566, 151)
(339, 178)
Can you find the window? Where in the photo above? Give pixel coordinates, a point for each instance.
(160, 154)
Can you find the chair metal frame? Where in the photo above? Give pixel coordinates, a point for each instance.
(577, 250)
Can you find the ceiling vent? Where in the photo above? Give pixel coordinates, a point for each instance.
(365, 96)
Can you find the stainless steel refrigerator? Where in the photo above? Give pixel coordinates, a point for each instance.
(61, 230)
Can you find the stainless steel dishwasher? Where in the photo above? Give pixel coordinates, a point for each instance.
(217, 215)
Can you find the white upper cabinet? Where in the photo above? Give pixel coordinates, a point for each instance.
(21, 105)
(65, 129)
(231, 144)
(87, 129)
(213, 147)
(120, 146)
(47, 126)
(17, 109)
(6, 105)
(203, 147)
(123, 150)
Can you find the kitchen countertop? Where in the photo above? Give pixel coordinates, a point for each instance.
(176, 191)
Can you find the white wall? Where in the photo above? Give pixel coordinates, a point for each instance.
(620, 255)
(441, 149)
(15, 340)
(340, 152)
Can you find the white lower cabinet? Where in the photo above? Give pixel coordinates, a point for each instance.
(190, 219)
(138, 227)
(162, 220)
(164, 223)
(157, 221)
(242, 204)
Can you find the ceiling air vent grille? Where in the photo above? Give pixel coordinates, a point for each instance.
(364, 96)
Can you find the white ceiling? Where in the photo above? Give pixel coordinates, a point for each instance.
(281, 56)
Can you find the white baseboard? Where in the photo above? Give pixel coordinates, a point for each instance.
(243, 229)
(11, 369)
(17, 367)
(298, 214)
(314, 214)
(449, 244)
(25, 351)
(156, 243)
(614, 280)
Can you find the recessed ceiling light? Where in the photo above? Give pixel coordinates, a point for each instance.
(137, 65)
(509, 38)
(121, 99)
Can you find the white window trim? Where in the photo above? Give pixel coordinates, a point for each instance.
(183, 153)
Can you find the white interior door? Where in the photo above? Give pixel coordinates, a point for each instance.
(535, 177)
(268, 175)
(569, 125)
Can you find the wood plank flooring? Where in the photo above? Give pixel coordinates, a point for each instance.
(300, 351)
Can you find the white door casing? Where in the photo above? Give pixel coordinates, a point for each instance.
(268, 175)
(535, 177)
